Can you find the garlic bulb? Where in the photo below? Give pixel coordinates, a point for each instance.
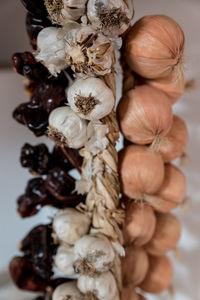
(112, 17)
(64, 260)
(67, 291)
(69, 225)
(103, 286)
(90, 98)
(64, 10)
(87, 51)
(67, 127)
(51, 49)
(93, 253)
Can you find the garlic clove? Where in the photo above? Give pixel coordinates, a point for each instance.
(51, 49)
(66, 291)
(65, 10)
(64, 260)
(67, 127)
(102, 286)
(112, 17)
(93, 253)
(90, 98)
(69, 225)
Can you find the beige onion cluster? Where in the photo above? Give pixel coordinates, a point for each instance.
(151, 185)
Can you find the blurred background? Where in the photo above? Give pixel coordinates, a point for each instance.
(13, 178)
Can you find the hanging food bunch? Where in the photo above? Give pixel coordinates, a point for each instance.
(98, 246)
(151, 184)
(70, 82)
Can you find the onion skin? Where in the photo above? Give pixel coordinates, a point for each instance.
(141, 171)
(134, 265)
(144, 113)
(159, 275)
(160, 41)
(173, 87)
(177, 140)
(140, 223)
(129, 293)
(172, 192)
(166, 235)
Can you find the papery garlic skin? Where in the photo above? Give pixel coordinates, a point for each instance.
(90, 98)
(112, 17)
(66, 291)
(67, 127)
(93, 253)
(69, 225)
(64, 260)
(87, 51)
(51, 49)
(64, 10)
(103, 286)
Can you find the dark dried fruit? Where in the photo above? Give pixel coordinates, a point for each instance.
(34, 199)
(74, 157)
(58, 159)
(59, 183)
(34, 25)
(24, 275)
(26, 65)
(35, 7)
(38, 246)
(36, 158)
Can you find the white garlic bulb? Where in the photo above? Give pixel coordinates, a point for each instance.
(51, 49)
(112, 17)
(87, 51)
(102, 286)
(90, 98)
(64, 10)
(93, 253)
(64, 260)
(67, 127)
(66, 291)
(69, 225)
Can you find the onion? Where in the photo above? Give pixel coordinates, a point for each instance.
(134, 265)
(139, 224)
(166, 235)
(159, 275)
(177, 140)
(129, 293)
(172, 192)
(173, 86)
(154, 46)
(141, 171)
(145, 115)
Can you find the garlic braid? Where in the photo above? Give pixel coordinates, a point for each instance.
(90, 53)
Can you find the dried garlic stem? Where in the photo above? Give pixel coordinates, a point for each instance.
(103, 195)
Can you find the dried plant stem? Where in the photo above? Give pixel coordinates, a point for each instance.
(102, 200)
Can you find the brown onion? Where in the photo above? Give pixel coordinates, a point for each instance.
(154, 46)
(128, 80)
(172, 192)
(141, 171)
(139, 225)
(159, 275)
(144, 114)
(129, 293)
(166, 235)
(177, 140)
(134, 265)
(173, 86)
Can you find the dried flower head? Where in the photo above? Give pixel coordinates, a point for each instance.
(61, 11)
(110, 16)
(87, 51)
